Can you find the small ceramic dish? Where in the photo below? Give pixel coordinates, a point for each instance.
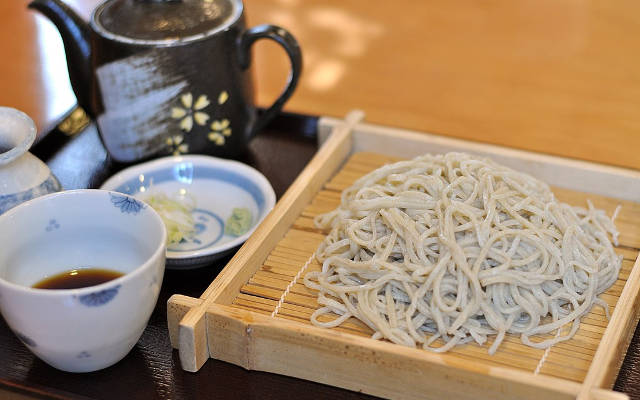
(217, 186)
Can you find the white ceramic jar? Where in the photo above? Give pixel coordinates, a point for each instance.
(22, 175)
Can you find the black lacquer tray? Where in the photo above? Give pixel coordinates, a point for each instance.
(152, 369)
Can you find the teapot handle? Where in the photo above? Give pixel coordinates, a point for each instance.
(290, 45)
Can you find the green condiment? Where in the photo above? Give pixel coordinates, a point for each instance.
(239, 222)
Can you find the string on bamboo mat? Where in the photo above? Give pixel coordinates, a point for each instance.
(292, 284)
(544, 357)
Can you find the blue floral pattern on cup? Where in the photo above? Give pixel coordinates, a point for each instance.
(99, 298)
(8, 201)
(126, 204)
(53, 224)
(83, 354)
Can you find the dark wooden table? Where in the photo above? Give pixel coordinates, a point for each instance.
(152, 369)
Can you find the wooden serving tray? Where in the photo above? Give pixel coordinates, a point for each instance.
(256, 312)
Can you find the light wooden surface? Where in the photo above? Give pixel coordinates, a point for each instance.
(558, 77)
(33, 70)
(274, 294)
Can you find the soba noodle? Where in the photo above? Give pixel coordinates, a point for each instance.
(458, 248)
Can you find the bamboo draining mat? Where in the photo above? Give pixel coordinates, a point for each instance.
(277, 288)
(255, 314)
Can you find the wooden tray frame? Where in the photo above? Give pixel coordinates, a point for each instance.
(209, 326)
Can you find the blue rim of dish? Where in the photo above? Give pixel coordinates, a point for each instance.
(185, 172)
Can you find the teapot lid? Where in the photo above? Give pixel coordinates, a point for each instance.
(164, 21)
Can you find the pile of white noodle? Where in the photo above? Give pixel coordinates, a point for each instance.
(457, 248)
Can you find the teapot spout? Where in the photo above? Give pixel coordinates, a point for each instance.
(76, 37)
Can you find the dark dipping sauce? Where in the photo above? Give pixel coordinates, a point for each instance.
(78, 278)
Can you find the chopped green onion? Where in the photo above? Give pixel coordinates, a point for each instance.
(176, 215)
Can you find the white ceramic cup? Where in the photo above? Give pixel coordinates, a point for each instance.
(90, 328)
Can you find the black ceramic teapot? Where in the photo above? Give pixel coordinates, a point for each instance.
(168, 76)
